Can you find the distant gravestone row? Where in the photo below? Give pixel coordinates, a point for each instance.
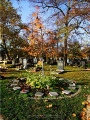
(78, 62)
(22, 63)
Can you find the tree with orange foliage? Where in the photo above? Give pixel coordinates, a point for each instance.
(70, 16)
(35, 36)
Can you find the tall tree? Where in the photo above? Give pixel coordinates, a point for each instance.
(35, 35)
(9, 20)
(72, 16)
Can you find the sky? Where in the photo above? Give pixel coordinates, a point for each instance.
(24, 8)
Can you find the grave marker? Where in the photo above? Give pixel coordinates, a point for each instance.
(53, 93)
(66, 92)
(83, 64)
(60, 66)
(39, 94)
(24, 63)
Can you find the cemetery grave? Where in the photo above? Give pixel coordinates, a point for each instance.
(60, 67)
(41, 86)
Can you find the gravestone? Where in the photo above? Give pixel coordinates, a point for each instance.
(24, 63)
(35, 60)
(83, 64)
(0, 57)
(13, 62)
(21, 60)
(60, 66)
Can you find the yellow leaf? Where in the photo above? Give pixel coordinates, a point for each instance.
(74, 115)
(50, 105)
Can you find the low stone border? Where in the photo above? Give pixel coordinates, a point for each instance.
(55, 97)
(69, 96)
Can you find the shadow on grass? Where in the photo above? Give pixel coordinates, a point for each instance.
(83, 83)
(8, 78)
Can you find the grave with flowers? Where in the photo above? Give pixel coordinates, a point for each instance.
(35, 85)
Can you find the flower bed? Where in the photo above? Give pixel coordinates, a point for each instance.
(47, 86)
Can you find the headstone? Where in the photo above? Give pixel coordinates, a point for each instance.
(53, 93)
(83, 64)
(71, 63)
(21, 60)
(68, 61)
(35, 60)
(0, 57)
(24, 63)
(13, 62)
(60, 66)
(6, 57)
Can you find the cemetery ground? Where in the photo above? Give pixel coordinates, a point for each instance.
(17, 106)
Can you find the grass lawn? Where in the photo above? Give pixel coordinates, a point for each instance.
(15, 106)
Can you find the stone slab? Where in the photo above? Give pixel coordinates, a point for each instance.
(39, 94)
(59, 70)
(66, 92)
(16, 88)
(72, 85)
(13, 84)
(53, 93)
(24, 91)
(15, 81)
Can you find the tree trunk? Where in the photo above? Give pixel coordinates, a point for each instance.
(65, 51)
(5, 48)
